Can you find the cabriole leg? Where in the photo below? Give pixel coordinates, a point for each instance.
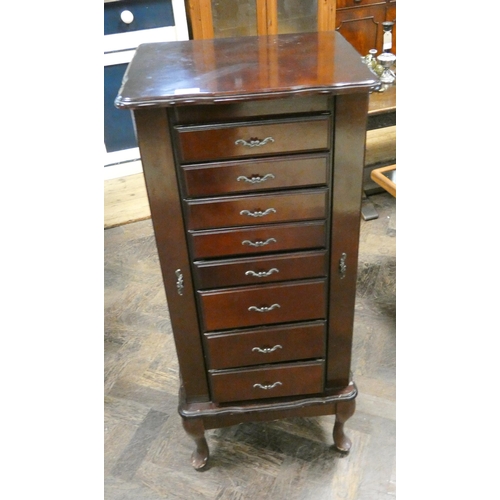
(345, 410)
(196, 431)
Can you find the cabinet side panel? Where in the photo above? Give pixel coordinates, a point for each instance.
(166, 212)
(349, 150)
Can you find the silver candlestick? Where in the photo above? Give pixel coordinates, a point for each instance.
(387, 60)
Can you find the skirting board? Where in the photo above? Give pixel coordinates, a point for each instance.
(125, 198)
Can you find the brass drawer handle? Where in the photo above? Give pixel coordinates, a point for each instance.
(264, 309)
(267, 350)
(262, 274)
(258, 213)
(254, 142)
(266, 387)
(258, 243)
(255, 179)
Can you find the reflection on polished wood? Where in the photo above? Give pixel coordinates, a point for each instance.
(201, 22)
(222, 70)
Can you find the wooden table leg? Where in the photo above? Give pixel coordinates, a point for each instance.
(345, 410)
(196, 431)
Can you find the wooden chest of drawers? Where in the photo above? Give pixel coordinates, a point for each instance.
(253, 157)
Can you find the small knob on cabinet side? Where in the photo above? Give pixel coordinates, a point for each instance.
(127, 17)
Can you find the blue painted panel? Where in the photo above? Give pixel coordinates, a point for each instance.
(147, 14)
(119, 130)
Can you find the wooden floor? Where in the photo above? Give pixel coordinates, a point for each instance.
(146, 450)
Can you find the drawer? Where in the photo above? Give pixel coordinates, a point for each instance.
(259, 305)
(256, 209)
(255, 175)
(250, 139)
(258, 239)
(243, 110)
(270, 382)
(256, 270)
(266, 345)
(341, 4)
(362, 27)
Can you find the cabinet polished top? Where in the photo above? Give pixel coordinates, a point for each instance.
(243, 68)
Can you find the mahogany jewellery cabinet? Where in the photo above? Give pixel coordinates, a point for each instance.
(253, 150)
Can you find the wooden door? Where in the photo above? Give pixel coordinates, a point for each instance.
(224, 18)
(362, 26)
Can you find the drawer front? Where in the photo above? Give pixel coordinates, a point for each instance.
(258, 239)
(267, 304)
(242, 110)
(257, 270)
(271, 382)
(216, 142)
(257, 209)
(255, 175)
(266, 345)
(342, 4)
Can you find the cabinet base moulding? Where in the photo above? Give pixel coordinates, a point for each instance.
(199, 417)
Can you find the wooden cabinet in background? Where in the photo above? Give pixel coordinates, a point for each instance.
(360, 22)
(226, 18)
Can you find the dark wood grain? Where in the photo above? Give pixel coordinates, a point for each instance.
(196, 431)
(287, 206)
(296, 301)
(283, 343)
(350, 126)
(281, 237)
(257, 270)
(245, 109)
(216, 415)
(166, 211)
(255, 67)
(242, 176)
(269, 382)
(235, 141)
(344, 410)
